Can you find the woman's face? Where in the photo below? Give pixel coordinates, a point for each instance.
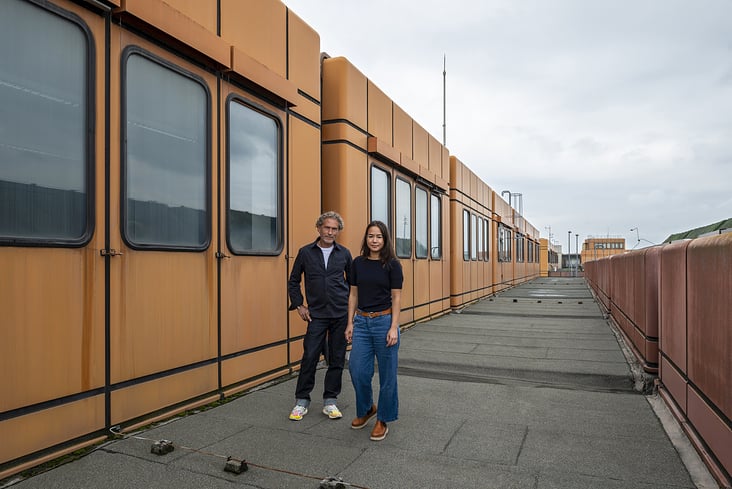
(374, 239)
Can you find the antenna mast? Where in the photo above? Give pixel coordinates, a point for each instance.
(444, 82)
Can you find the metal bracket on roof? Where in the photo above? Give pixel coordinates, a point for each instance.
(235, 466)
(334, 483)
(162, 447)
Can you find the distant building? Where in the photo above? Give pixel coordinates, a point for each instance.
(596, 248)
(710, 229)
(549, 257)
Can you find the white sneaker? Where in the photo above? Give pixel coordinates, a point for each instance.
(332, 411)
(298, 412)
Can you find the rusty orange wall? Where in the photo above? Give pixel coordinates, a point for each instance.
(45, 364)
(709, 340)
(672, 320)
(629, 300)
(692, 303)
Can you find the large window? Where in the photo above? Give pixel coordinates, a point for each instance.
(504, 244)
(519, 247)
(487, 237)
(45, 127)
(254, 180)
(421, 222)
(435, 227)
(466, 235)
(403, 224)
(165, 165)
(379, 195)
(473, 238)
(481, 242)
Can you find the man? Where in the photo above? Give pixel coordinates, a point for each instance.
(326, 266)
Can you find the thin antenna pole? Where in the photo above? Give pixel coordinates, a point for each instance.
(444, 110)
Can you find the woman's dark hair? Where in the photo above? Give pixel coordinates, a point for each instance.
(386, 255)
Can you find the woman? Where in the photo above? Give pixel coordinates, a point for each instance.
(374, 303)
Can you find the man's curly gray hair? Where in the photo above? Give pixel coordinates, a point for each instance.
(330, 215)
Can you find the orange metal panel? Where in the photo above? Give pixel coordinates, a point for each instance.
(34, 432)
(421, 150)
(436, 281)
(254, 311)
(384, 149)
(716, 433)
(650, 352)
(672, 309)
(160, 15)
(345, 189)
(255, 71)
(168, 312)
(435, 157)
(303, 60)
(674, 382)
(258, 28)
(474, 185)
(426, 174)
(141, 399)
(709, 274)
(203, 13)
(442, 183)
(456, 179)
(409, 164)
(456, 257)
(652, 281)
(380, 109)
(446, 251)
(407, 314)
(344, 92)
(304, 199)
(422, 285)
(52, 302)
(402, 131)
(340, 131)
(250, 365)
(307, 109)
(296, 351)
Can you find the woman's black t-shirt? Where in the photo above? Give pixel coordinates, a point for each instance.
(374, 282)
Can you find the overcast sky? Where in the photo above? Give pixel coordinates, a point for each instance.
(605, 115)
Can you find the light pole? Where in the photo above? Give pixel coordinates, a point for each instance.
(576, 250)
(637, 235)
(569, 251)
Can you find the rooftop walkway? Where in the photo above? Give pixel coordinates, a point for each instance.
(530, 389)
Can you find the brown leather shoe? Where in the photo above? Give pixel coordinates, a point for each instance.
(379, 432)
(359, 423)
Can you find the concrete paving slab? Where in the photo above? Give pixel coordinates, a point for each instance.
(529, 390)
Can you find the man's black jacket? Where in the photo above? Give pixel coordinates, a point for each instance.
(326, 290)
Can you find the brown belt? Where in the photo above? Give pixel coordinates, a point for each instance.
(374, 314)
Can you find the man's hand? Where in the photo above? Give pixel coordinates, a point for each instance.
(304, 313)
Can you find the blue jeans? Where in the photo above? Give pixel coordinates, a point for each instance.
(314, 344)
(369, 340)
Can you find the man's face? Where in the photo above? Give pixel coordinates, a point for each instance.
(328, 232)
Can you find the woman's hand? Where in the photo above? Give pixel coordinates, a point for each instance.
(392, 336)
(349, 332)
